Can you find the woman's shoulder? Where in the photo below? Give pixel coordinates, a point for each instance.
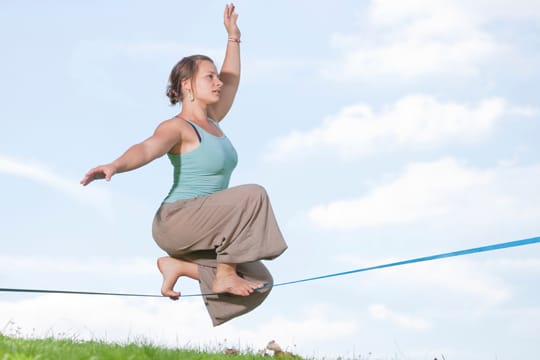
(177, 127)
(172, 128)
(174, 123)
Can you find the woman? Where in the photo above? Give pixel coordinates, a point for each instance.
(214, 234)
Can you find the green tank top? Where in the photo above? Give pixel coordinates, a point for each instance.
(203, 170)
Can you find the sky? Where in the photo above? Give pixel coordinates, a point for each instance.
(382, 131)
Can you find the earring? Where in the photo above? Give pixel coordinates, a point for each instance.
(190, 96)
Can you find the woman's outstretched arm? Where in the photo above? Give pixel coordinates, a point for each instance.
(164, 138)
(230, 70)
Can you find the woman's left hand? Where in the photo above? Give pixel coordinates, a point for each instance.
(230, 18)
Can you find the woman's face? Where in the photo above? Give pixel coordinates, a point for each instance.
(206, 83)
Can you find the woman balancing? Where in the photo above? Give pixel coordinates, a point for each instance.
(214, 234)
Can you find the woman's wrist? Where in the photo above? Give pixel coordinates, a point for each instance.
(234, 39)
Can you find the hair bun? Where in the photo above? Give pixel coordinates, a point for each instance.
(173, 95)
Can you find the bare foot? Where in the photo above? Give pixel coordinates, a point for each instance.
(228, 281)
(172, 269)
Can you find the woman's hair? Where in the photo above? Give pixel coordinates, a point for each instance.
(185, 69)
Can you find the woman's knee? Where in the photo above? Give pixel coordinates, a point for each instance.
(255, 190)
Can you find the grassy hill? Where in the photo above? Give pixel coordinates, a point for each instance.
(55, 349)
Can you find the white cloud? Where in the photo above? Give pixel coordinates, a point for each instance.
(315, 326)
(184, 323)
(410, 56)
(424, 37)
(388, 12)
(381, 312)
(488, 10)
(108, 318)
(441, 191)
(412, 120)
(121, 267)
(98, 198)
(516, 265)
(460, 277)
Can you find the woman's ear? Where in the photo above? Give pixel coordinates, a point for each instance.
(187, 88)
(186, 85)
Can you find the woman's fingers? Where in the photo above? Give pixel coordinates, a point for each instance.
(229, 14)
(230, 18)
(96, 174)
(229, 9)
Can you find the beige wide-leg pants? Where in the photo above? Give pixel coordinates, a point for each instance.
(236, 225)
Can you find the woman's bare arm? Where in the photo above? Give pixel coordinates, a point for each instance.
(166, 135)
(230, 70)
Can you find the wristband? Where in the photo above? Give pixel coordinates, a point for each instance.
(234, 40)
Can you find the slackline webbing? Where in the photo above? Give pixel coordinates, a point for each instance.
(480, 249)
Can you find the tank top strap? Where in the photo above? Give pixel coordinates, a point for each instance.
(196, 130)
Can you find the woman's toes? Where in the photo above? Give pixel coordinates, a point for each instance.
(174, 295)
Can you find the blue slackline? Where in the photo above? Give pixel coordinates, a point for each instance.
(480, 249)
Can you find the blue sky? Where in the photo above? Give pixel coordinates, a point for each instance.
(382, 131)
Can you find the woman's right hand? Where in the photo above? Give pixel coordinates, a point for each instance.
(99, 172)
(230, 18)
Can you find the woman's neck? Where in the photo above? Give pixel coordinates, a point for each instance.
(194, 112)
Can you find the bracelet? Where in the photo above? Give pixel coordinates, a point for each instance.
(234, 40)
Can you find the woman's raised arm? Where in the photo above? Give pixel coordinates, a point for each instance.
(230, 70)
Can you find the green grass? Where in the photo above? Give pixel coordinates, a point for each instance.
(13, 348)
